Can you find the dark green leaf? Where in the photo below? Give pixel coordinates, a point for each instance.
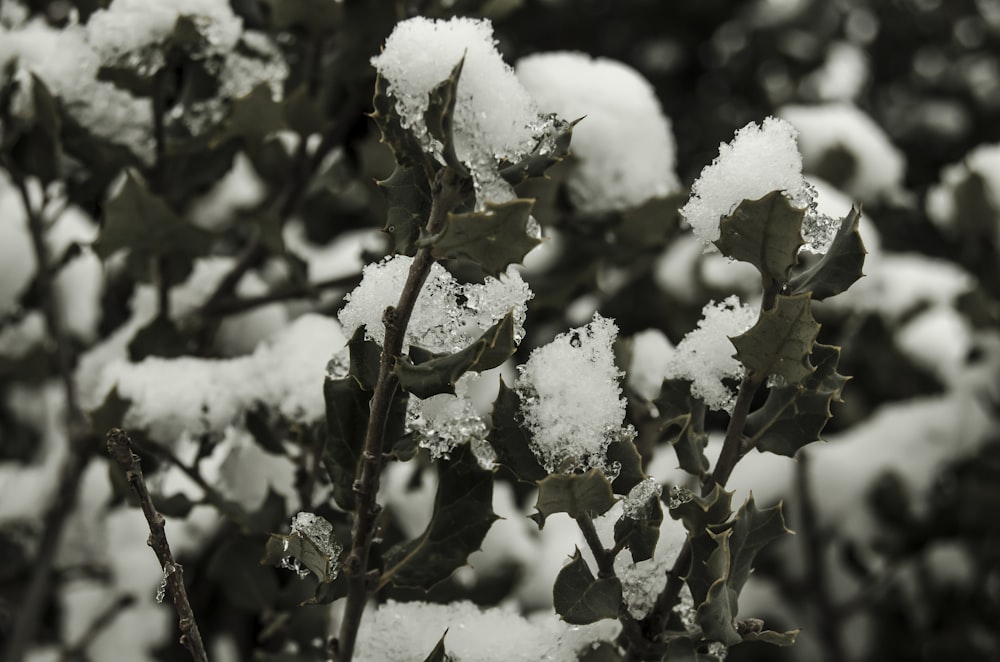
(439, 654)
(314, 555)
(253, 117)
(175, 505)
(643, 532)
(780, 342)
(439, 375)
(552, 148)
(839, 268)
(581, 599)
(574, 494)
(511, 440)
(699, 513)
(302, 113)
(767, 233)
(683, 419)
(110, 413)
(346, 425)
(630, 473)
(137, 220)
(234, 566)
(752, 529)
(463, 513)
(408, 204)
(717, 612)
(160, 337)
(793, 416)
(493, 239)
(440, 115)
(365, 356)
(405, 148)
(313, 16)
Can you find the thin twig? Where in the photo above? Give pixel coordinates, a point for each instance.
(120, 450)
(77, 651)
(81, 442)
(817, 578)
(234, 306)
(447, 192)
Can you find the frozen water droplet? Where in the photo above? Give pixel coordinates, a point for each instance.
(637, 503)
(679, 496)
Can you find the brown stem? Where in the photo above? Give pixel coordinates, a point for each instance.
(447, 192)
(120, 450)
(233, 306)
(605, 558)
(81, 442)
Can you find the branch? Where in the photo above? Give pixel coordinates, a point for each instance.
(235, 305)
(447, 191)
(605, 558)
(82, 443)
(77, 651)
(120, 450)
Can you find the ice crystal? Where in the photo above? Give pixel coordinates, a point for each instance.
(319, 532)
(442, 422)
(637, 502)
(678, 496)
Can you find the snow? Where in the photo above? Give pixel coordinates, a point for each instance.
(244, 472)
(171, 396)
(651, 355)
(878, 165)
(17, 258)
(239, 189)
(843, 75)
(495, 118)
(444, 421)
(448, 315)
(624, 151)
(405, 632)
(675, 268)
(983, 161)
(571, 400)
(939, 339)
(760, 159)
(707, 357)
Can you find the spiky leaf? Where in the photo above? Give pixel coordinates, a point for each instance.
(793, 416)
(574, 494)
(698, 513)
(511, 440)
(408, 204)
(580, 599)
(493, 239)
(753, 529)
(642, 532)
(439, 375)
(440, 115)
(463, 513)
(552, 148)
(683, 417)
(780, 342)
(439, 654)
(767, 233)
(311, 554)
(840, 267)
(405, 148)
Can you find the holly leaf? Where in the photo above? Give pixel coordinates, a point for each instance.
(511, 440)
(405, 147)
(463, 513)
(683, 424)
(440, 115)
(581, 599)
(493, 239)
(772, 637)
(138, 220)
(767, 233)
(795, 415)
(439, 654)
(716, 614)
(302, 113)
(440, 374)
(752, 530)
(699, 513)
(408, 204)
(839, 268)
(623, 452)
(551, 148)
(641, 531)
(780, 342)
(320, 557)
(574, 494)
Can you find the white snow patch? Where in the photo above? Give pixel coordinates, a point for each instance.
(624, 147)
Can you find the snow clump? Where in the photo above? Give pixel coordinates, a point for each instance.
(982, 162)
(571, 399)
(706, 356)
(760, 159)
(624, 146)
(448, 315)
(495, 117)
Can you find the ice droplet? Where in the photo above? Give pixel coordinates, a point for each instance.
(636, 505)
(679, 496)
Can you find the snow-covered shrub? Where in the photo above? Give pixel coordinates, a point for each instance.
(274, 251)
